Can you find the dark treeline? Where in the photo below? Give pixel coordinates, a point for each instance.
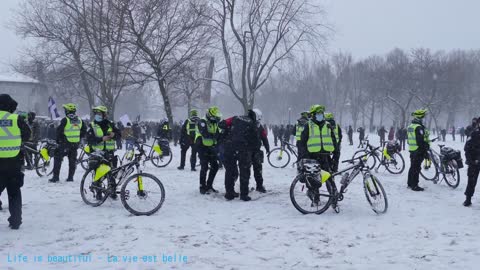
(380, 90)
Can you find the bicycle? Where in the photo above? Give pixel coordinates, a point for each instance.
(155, 155)
(390, 158)
(280, 157)
(83, 156)
(316, 188)
(100, 181)
(447, 167)
(40, 161)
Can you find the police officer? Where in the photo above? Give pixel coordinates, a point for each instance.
(302, 122)
(418, 145)
(338, 135)
(206, 137)
(187, 139)
(318, 142)
(257, 155)
(102, 135)
(243, 142)
(472, 155)
(13, 131)
(69, 133)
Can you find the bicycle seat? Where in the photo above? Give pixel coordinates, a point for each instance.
(441, 145)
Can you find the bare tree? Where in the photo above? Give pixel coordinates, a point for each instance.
(169, 34)
(257, 35)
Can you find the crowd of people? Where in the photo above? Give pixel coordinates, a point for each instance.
(234, 143)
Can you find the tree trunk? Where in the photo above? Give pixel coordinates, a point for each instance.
(372, 115)
(166, 100)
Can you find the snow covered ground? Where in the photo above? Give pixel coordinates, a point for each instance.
(421, 230)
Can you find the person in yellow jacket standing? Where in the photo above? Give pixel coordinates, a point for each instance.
(418, 144)
(318, 142)
(102, 135)
(206, 138)
(13, 131)
(69, 133)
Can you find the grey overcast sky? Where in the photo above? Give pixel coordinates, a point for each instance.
(364, 27)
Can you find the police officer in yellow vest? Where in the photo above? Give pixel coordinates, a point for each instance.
(69, 133)
(102, 135)
(318, 140)
(302, 122)
(338, 135)
(206, 137)
(418, 145)
(187, 139)
(13, 131)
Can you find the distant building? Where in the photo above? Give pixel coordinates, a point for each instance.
(30, 94)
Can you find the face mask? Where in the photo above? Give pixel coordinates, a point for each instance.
(98, 118)
(319, 117)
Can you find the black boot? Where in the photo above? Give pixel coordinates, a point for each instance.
(54, 179)
(229, 196)
(468, 201)
(245, 198)
(203, 190)
(261, 189)
(180, 168)
(211, 190)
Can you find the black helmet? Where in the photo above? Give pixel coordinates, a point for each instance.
(7, 103)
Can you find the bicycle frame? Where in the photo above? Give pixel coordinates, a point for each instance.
(284, 145)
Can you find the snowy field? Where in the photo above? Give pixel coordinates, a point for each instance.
(421, 230)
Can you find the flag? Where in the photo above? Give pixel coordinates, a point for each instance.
(52, 108)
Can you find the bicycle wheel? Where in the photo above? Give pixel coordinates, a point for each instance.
(309, 201)
(429, 170)
(146, 201)
(371, 159)
(160, 161)
(43, 167)
(452, 175)
(92, 194)
(279, 158)
(83, 159)
(376, 196)
(396, 164)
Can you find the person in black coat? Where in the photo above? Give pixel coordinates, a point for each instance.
(242, 142)
(11, 175)
(258, 155)
(350, 135)
(472, 155)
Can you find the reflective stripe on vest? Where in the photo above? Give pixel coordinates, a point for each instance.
(412, 138)
(335, 131)
(10, 135)
(212, 129)
(299, 129)
(72, 131)
(108, 145)
(191, 126)
(318, 141)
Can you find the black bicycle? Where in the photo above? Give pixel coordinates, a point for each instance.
(83, 156)
(388, 156)
(160, 156)
(140, 193)
(280, 157)
(446, 163)
(313, 190)
(39, 160)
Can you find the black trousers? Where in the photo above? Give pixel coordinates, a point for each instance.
(472, 173)
(231, 170)
(416, 159)
(193, 155)
(257, 160)
(208, 157)
(69, 150)
(12, 181)
(275, 139)
(350, 139)
(402, 144)
(244, 167)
